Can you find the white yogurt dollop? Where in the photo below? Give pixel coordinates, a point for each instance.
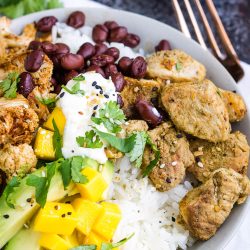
(78, 110)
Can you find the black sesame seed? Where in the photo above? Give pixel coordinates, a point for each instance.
(73, 151)
(159, 221)
(173, 219)
(67, 202)
(95, 107)
(197, 159)
(69, 213)
(93, 115)
(168, 180)
(98, 87)
(56, 207)
(234, 91)
(113, 94)
(179, 136)
(63, 215)
(106, 96)
(97, 94)
(28, 200)
(6, 216)
(101, 92)
(62, 95)
(94, 83)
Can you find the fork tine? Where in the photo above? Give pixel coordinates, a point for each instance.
(195, 24)
(181, 19)
(209, 31)
(221, 30)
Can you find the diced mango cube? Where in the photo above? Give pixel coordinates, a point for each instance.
(87, 213)
(94, 239)
(94, 188)
(43, 147)
(71, 239)
(56, 218)
(54, 242)
(108, 220)
(59, 118)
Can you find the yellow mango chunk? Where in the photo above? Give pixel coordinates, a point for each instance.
(87, 213)
(108, 220)
(94, 188)
(56, 218)
(94, 239)
(54, 242)
(71, 239)
(43, 147)
(59, 118)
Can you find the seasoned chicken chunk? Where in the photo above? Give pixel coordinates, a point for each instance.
(174, 65)
(232, 153)
(198, 109)
(133, 126)
(235, 105)
(42, 77)
(205, 208)
(18, 122)
(17, 160)
(175, 156)
(135, 90)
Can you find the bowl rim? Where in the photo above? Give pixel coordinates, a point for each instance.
(20, 22)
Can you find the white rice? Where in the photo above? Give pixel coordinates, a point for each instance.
(146, 212)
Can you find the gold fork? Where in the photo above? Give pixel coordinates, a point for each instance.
(229, 59)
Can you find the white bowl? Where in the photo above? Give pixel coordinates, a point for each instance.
(151, 32)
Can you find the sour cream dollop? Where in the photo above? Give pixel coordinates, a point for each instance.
(78, 110)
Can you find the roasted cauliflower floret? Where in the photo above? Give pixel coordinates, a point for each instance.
(17, 160)
(175, 156)
(205, 208)
(18, 122)
(174, 65)
(232, 153)
(198, 109)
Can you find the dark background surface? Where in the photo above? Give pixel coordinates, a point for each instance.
(235, 15)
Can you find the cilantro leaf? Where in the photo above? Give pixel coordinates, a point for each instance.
(50, 102)
(111, 116)
(9, 85)
(65, 170)
(76, 167)
(14, 182)
(84, 247)
(91, 140)
(75, 89)
(109, 246)
(178, 66)
(57, 141)
(79, 78)
(42, 184)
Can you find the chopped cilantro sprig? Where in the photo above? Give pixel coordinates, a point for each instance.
(9, 85)
(90, 140)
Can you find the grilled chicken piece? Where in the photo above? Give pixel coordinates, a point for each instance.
(232, 153)
(235, 105)
(205, 208)
(175, 156)
(197, 109)
(135, 90)
(17, 160)
(42, 77)
(134, 126)
(18, 122)
(174, 65)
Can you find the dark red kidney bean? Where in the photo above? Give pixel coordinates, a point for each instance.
(120, 101)
(34, 60)
(97, 69)
(118, 34)
(45, 24)
(48, 47)
(76, 19)
(138, 67)
(62, 48)
(55, 58)
(87, 50)
(101, 60)
(119, 81)
(131, 40)
(53, 81)
(124, 65)
(26, 84)
(100, 48)
(110, 70)
(35, 45)
(100, 33)
(163, 45)
(148, 113)
(114, 52)
(72, 61)
(69, 75)
(111, 24)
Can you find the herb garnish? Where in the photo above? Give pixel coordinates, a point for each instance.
(79, 78)
(90, 140)
(75, 89)
(178, 66)
(84, 247)
(57, 141)
(111, 116)
(50, 102)
(14, 182)
(9, 85)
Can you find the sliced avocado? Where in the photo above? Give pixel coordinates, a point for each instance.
(26, 239)
(91, 163)
(107, 172)
(12, 220)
